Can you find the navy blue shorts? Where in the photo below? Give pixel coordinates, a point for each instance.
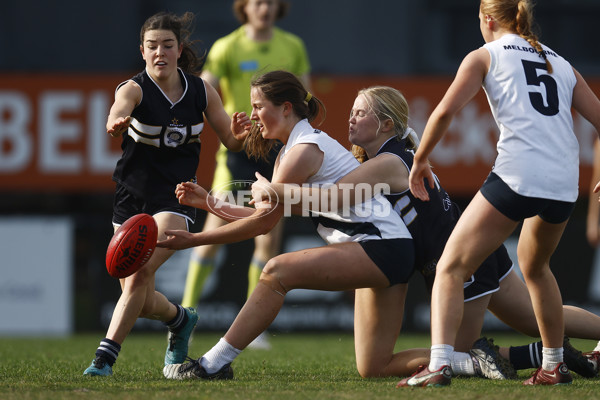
(486, 279)
(518, 207)
(394, 257)
(127, 205)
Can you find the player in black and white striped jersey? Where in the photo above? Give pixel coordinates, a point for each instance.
(159, 113)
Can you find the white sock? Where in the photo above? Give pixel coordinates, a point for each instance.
(441, 354)
(221, 354)
(551, 357)
(597, 348)
(462, 364)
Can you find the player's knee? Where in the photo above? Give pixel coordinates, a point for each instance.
(137, 281)
(272, 277)
(532, 273)
(369, 370)
(271, 267)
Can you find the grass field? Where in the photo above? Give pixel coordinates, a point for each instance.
(300, 366)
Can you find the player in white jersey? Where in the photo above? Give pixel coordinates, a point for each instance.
(363, 245)
(531, 91)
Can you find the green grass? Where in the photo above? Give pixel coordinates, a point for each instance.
(300, 366)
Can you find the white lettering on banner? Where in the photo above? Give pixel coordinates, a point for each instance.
(16, 147)
(100, 158)
(17, 144)
(53, 130)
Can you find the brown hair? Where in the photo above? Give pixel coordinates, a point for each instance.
(182, 28)
(387, 103)
(240, 14)
(279, 87)
(516, 15)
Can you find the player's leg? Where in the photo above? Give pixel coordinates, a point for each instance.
(480, 230)
(265, 247)
(537, 242)
(512, 305)
(472, 323)
(334, 267)
(377, 322)
(138, 299)
(476, 355)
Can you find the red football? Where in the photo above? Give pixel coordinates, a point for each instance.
(131, 246)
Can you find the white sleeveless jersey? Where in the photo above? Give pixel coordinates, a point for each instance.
(372, 220)
(538, 153)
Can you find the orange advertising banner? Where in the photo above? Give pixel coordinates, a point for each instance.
(53, 135)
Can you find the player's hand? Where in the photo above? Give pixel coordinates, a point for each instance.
(121, 125)
(191, 194)
(263, 195)
(261, 189)
(240, 125)
(416, 181)
(177, 240)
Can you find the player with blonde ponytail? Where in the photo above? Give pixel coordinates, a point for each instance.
(534, 180)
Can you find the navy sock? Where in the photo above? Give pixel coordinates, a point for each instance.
(528, 356)
(179, 321)
(109, 350)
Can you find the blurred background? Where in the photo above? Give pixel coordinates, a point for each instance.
(61, 61)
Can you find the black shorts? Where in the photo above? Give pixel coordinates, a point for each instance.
(518, 207)
(126, 205)
(484, 281)
(487, 278)
(394, 257)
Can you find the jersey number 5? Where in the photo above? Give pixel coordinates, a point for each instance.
(536, 98)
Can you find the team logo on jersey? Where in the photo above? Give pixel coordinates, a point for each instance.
(447, 202)
(175, 136)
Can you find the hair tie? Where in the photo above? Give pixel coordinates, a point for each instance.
(411, 132)
(308, 97)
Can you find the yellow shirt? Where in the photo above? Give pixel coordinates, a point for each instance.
(235, 60)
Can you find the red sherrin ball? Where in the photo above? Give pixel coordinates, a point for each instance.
(131, 246)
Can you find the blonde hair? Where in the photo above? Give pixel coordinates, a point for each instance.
(388, 103)
(516, 15)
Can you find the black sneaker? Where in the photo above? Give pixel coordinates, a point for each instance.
(576, 361)
(193, 370)
(488, 362)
